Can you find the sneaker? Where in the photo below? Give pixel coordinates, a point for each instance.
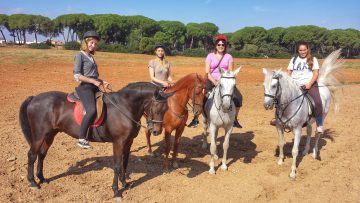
(237, 124)
(194, 123)
(320, 129)
(83, 144)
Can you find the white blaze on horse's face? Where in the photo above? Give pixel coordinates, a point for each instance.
(270, 89)
(226, 86)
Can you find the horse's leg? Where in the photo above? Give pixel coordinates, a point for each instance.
(178, 133)
(226, 147)
(125, 163)
(205, 134)
(148, 142)
(281, 140)
(295, 150)
(118, 162)
(32, 154)
(316, 148)
(167, 150)
(308, 138)
(214, 157)
(42, 154)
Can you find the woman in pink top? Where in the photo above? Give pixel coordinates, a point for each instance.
(215, 60)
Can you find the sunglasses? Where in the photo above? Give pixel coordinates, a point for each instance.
(220, 45)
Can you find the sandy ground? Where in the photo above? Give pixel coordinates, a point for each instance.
(79, 175)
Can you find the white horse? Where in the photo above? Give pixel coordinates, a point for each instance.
(220, 112)
(292, 109)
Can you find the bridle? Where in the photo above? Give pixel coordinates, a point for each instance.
(282, 107)
(149, 114)
(225, 95)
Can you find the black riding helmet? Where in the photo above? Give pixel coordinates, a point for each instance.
(159, 45)
(91, 33)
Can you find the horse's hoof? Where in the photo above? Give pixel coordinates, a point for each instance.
(314, 155)
(44, 181)
(175, 164)
(292, 176)
(224, 167)
(216, 157)
(280, 162)
(212, 171)
(166, 171)
(34, 188)
(118, 199)
(305, 153)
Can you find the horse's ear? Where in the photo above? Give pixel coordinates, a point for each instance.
(264, 71)
(237, 70)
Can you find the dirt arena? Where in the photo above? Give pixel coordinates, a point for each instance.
(79, 175)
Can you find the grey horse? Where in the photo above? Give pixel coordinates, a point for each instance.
(220, 112)
(292, 108)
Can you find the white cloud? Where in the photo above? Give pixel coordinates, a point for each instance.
(16, 10)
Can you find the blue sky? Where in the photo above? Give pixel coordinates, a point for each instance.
(228, 15)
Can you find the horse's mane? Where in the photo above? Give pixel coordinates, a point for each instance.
(141, 85)
(183, 81)
(289, 88)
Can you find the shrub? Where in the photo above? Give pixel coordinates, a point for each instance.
(74, 45)
(39, 46)
(195, 52)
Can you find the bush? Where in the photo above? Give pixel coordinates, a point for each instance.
(39, 46)
(74, 45)
(195, 52)
(118, 48)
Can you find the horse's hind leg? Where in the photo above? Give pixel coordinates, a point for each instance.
(281, 141)
(148, 142)
(32, 154)
(118, 166)
(308, 138)
(316, 148)
(205, 134)
(226, 147)
(42, 154)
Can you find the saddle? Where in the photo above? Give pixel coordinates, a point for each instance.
(79, 110)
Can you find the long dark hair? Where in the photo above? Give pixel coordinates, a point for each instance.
(309, 57)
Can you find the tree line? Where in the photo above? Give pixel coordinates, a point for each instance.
(138, 34)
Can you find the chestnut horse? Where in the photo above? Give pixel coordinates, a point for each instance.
(189, 87)
(44, 115)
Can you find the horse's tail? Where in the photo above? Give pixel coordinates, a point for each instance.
(326, 77)
(24, 121)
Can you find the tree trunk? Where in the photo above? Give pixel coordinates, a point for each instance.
(191, 43)
(18, 36)
(36, 38)
(3, 35)
(67, 38)
(24, 33)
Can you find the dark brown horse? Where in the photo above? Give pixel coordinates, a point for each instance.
(44, 115)
(189, 87)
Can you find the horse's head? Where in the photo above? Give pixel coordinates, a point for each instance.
(197, 95)
(272, 88)
(226, 88)
(156, 110)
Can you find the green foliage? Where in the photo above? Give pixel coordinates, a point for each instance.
(39, 46)
(195, 52)
(73, 45)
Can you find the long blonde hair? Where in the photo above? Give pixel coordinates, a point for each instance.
(309, 57)
(84, 45)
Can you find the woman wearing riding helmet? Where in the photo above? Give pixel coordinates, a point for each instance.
(160, 68)
(304, 69)
(86, 72)
(215, 60)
